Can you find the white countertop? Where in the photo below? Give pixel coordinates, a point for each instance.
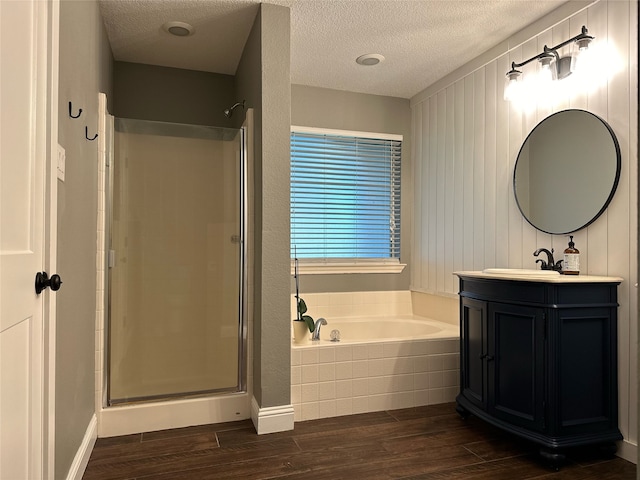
(525, 275)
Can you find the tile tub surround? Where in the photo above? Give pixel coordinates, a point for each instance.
(352, 304)
(336, 380)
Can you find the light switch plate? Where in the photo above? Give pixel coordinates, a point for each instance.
(61, 162)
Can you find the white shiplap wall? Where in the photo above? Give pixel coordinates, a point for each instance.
(465, 142)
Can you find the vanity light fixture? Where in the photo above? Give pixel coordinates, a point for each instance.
(552, 66)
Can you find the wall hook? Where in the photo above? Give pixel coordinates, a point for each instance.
(71, 110)
(86, 134)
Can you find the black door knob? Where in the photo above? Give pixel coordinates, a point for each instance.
(43, 281)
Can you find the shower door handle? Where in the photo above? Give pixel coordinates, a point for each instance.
(43, 281)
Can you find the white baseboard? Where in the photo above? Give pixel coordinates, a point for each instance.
(628, 451)
(80, 461)
(271, 419)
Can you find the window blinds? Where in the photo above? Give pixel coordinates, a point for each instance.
(345, 196)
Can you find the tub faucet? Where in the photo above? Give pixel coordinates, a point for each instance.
(316, 329)
(550, 264)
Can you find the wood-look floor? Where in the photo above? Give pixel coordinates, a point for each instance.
(420, 443)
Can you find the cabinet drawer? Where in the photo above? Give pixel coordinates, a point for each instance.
(585, 294)
(507, 291)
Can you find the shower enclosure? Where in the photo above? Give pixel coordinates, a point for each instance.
(176, 262)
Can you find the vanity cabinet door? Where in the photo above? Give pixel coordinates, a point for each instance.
(473, 350)
(516, 364)
(584, 342)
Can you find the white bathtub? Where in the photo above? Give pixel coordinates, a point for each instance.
(380, 363)
(384, 328)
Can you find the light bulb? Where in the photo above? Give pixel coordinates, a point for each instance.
(581, 62)
(512, 86)
(545, 75)
(544, 78)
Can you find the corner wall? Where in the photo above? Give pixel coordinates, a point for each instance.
(85, 69)
(466, 141)
(263, 80)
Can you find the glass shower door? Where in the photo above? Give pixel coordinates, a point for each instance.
(176, 316)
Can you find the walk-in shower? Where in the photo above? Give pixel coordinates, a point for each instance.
(177, 315)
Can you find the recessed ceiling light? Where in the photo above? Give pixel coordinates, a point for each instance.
(179, 29)
(370, 59)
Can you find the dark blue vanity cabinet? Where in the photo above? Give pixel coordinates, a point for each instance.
(538, 358)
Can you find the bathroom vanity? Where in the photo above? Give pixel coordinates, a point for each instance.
(538, 357)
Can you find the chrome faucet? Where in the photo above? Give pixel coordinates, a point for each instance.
(550, 264)
(316, 329)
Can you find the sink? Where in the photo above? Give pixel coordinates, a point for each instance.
(519, 271)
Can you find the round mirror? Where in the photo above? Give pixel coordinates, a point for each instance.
(567, 171)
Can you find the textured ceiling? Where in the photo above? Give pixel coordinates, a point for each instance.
(421, 40)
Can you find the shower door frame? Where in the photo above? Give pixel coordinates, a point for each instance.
(241, 387)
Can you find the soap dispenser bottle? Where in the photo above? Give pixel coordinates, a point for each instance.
(571, 259)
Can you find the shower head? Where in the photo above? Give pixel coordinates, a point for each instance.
(229, 111)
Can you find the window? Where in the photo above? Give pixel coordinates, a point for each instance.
(345, 197)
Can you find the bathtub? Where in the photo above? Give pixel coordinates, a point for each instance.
(386, 328)
(381, 363)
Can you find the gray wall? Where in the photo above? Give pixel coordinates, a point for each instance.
(149, 92)
(263, 80)
(249, 87)
(325, 108)
(85, 69)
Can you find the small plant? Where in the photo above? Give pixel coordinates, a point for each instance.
(302, 309)
(301, 306)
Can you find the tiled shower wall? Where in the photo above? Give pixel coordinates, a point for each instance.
(105, 132)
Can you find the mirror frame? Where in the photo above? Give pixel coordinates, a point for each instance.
(613, 187)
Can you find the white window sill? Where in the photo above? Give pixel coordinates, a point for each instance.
(332, 268)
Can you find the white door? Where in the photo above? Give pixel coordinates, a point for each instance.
(25, 124)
